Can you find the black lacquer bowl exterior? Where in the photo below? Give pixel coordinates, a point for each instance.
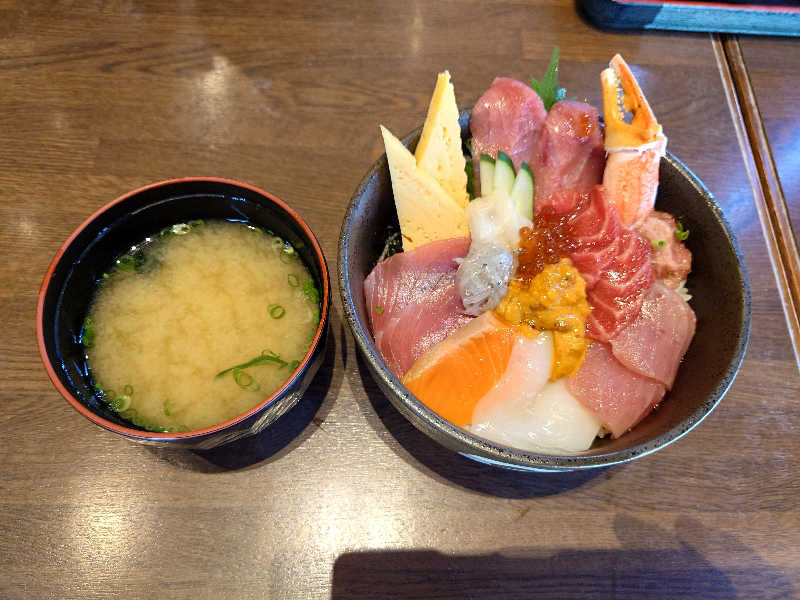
(721, 301)
(70, 282)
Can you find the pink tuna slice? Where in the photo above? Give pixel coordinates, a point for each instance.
(619, 397)
(617, 297)
(508, 117)
(569, 153)
(412, 301)
(655, 342)
(671, 260)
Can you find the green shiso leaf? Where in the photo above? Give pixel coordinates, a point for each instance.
(547, 88)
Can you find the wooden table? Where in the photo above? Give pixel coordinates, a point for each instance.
(350, 501)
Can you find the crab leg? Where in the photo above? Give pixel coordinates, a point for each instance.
(634, 148)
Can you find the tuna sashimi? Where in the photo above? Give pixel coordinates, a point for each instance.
(619, 397)
(508, 117)
(671, 260)
(413, 294)
(655, 342)
(569, 152)
(617, 297)
(596, 230)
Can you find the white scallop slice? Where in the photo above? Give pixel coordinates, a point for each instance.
(526, 411)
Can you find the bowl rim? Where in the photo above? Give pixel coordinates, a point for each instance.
(488, 452)
(144, 435)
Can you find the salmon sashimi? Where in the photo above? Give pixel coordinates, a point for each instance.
(452, 376)
(618, 397)
(655, 342)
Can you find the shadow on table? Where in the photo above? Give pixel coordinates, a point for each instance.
(421, 451)
(652, 564)
(280, 438)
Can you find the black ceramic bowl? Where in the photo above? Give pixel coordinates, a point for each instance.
(721, 300)
(91, 250)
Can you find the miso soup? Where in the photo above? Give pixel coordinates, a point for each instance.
(199, 324)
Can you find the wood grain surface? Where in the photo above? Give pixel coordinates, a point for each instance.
(345, 499)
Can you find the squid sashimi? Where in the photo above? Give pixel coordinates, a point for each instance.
(569, 153)
(526, 411)
(412, 301)
(508, 116)
(654, 343)
(613, 393)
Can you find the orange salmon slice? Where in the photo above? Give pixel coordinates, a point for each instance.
(454, 374)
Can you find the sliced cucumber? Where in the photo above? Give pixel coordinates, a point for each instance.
(487, 174)
(503, 172)
(522, 192)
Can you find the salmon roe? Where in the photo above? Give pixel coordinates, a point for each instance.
(545, 243)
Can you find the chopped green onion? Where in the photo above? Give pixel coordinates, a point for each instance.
(276, 311)
(659, 243)
(266, 357)
(680, 232)
(126, 262)
(379, 310)
(106, 275)
(165, 408)
(87, 336)
(121, 403)
(245, 381)
(310, 290)
(195, 223)
(293, 280)
(180, 229)
(294, 364)
(128, 390)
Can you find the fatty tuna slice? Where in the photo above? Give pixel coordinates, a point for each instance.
(415, 292)
(671, 260)
(569, 153)
(618, 397)
(653, 345)
(508, 117)
(617, 297)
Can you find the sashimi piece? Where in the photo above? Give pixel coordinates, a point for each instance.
(508, 117)
(569, 152)
(482, 277)
(452, 376)
(421, 325)
(526, 411)
(596, 229)
(655, 342)
(617, 296)
(405, 277)
(616, 395)
(670, 258)
(527, 372)
(414, 291)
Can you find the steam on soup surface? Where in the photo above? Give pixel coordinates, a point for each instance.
(199, 324)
